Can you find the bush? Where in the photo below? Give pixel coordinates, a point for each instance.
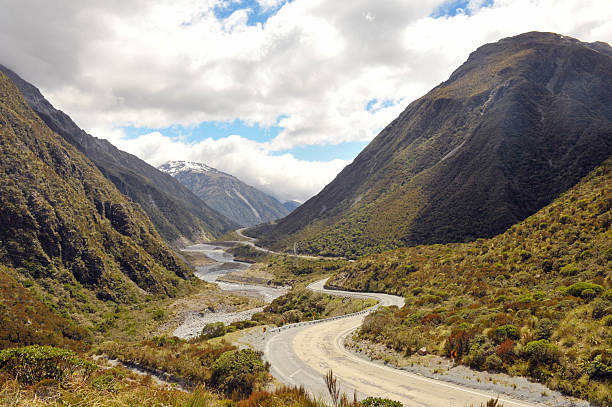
(543, 328)
(506, 332)
(541, 351)
(581, 289)
(493, 362)
(569, 270)
(213, 330)
(379, 402)
(607, 295)
(238, 373)
(32, 364)
(600, 367)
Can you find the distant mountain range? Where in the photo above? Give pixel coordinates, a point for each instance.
(521, 121)
(243, 204)
(179, 216)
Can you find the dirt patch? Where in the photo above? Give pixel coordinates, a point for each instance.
(195, 258)
(256, 274)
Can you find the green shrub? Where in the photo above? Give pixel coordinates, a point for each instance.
(506, 332)
(607, 320)
(541, 351)
(493, 362)
(213, 330)
(588, 294)
(32, 364)
(607, 295)
(600, 367)
(543, 328)
(581, 288)
(569, 270)
(379, 402)
(238, 373)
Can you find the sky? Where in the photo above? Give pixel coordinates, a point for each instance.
(281, 94)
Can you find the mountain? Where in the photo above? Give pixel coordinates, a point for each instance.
(63, 222)
(521, 121)
(535, 300)
(179, 216)
(225, 193)
(291, 205)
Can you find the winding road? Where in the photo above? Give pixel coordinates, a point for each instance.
(301, 355)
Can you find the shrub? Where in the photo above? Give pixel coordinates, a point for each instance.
(506, 350)
(379, 402)
(569, 270)
(493, 362)
(607, 295)
(600, 367)
(32, 364)
(541, 351)
(238, 373)
(213, 330)
(581, 289)
(601, 308)
(543, 328)
(506, 332)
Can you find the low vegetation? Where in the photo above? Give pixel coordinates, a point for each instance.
(288, 269)
(301, 304)
(534, 301)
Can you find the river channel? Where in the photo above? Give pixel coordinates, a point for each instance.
(225, 263)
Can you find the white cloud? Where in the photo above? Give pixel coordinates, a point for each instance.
(282, 176)
(317, 63)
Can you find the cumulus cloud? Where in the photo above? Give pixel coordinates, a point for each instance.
(316, 64)
(282, 176)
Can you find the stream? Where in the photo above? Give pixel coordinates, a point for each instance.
(225, 263)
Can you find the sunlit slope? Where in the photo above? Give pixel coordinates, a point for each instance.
(521, 121)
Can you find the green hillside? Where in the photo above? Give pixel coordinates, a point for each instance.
(533, 301)
(61, 220)
(177, 214)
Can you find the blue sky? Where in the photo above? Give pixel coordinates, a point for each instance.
(324, 152)
(452, 8)
(183, 77)
(257, 14)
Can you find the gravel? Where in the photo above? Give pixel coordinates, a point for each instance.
(195, 321)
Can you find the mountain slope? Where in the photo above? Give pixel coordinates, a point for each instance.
(548, 278)
(291, 205)
(177, 213)
(518, 123)
(226, 194)
(60, 218)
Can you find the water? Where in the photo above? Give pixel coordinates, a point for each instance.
(195, 321)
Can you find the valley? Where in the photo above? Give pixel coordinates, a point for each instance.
(463, 258)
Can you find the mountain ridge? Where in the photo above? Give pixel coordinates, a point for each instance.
(177, 213)
(519, 122)
(61, 219)
(240, 202)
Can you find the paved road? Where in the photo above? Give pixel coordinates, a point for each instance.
(302, 355)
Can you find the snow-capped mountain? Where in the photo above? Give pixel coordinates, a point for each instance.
(225, 193)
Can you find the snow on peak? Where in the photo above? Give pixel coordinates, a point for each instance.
(175, 167)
